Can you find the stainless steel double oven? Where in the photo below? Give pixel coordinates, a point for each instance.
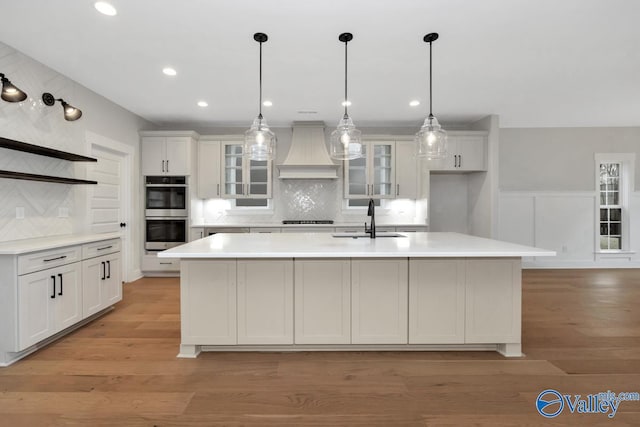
(166, 212)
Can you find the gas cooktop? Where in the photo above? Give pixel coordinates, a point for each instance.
(307, 221)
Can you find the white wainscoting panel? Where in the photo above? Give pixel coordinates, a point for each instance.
(564, 222)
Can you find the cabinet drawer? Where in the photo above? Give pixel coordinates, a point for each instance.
(37, 261)
(153, 263)
(92, 250)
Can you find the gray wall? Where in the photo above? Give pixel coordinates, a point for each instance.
(560, 159)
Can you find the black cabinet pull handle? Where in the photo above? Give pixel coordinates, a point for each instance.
(163, 166)
(104, 271)
(109, 273)
(60, 293)
(54, 259)
(459, 160)
(167, 165)
(53, 293)
(106, 247)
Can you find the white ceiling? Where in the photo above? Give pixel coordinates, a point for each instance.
(536, 63)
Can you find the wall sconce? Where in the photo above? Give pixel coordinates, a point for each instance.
(71, 113)
(10, 93)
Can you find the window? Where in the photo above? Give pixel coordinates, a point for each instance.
(610, 207)
(614, 180)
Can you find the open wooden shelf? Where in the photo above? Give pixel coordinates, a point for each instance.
(43, 151)
(43, 178)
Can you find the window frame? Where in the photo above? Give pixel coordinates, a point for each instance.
(625, 189)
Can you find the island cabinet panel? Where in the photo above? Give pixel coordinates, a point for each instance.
(436, 301)
(493, 301)
(379, 292)
(265, 301)
(208, 302)
(322, 301)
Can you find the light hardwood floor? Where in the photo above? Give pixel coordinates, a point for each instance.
(581, 335)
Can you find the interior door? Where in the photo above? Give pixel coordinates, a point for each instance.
(109, 202)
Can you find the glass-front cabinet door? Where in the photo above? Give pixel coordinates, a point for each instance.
(244, 178)
(356, 180)
(233, 183)
(382, 170)
(373, 175)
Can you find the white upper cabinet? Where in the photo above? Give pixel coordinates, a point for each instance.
(167, 154)
(407, 176)
(243, 178)
(466, 152)
(208, 169)
(372, 175)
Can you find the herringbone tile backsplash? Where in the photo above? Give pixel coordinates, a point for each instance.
(32, 122)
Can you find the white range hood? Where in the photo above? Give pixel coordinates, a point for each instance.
(308, 157)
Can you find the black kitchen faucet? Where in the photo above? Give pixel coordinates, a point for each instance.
(372, 213)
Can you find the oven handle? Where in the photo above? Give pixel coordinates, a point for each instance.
(153, 218)
(167, 185)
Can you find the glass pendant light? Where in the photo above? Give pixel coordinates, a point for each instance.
(346, 141)
(11, 93)
(431, 139)
(259, 140)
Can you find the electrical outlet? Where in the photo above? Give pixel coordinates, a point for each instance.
(19, 212)
(63, 212)
(564, 249)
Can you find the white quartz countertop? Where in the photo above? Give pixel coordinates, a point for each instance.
(280, 225)
(324, 245)
(17, 247)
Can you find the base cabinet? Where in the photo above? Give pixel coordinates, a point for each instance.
(379, 291)
(399, 302)
(493, 301)
(45, 292)
(265, 301)
(208, 304)
(323, 301)
(436, 301)
(48, 302)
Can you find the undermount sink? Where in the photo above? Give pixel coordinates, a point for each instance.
(363, 235)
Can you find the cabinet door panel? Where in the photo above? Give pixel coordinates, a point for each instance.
(471, 151)
(153, 155)
(436, 301)
(208, 169)
(379, 301)
(265, 301)
(178, 156)
(35, 307)
(93, 271)
(406, 170)
(69, 304)
(493, 301)
(323, 301)
(113, 284)
(208, 302)
(382, 170)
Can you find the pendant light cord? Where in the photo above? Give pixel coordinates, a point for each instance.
(260, 102)
(430, 81)
(346, 101)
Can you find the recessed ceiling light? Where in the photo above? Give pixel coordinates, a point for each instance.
(169, 71)
(203, 104)
(414, 103)
(105, 8)
(267, 103)
(346, 103)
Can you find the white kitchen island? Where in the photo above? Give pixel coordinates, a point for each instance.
(315, 291)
